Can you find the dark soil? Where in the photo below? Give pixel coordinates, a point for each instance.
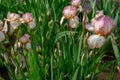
(4, 73)
(105, 76)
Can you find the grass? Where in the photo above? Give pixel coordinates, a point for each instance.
(57, 52)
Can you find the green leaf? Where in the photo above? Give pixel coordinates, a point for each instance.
(62, 34)
(75, 74)
(112, 71)
(116, 51)
(116, 18)
(80, 47)
(1, 78)
(104, 66)
(93, 5)
(51, 67)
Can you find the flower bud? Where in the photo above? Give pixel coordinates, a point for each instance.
(1, 25)
(85, 18)
(103, 25)
(48, 13)
(27, 17)
(76, 3)
(73, 23)
(24, 39)
(96, 41)
(2, 36)
(17, 45)
(69, 12)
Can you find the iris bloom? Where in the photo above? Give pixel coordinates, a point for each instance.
(14, 20)
(69, 12)
(11, 23)
(103, 26)
(28, 18)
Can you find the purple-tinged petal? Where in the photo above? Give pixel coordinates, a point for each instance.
(103, 25)
(69, 12)
(76, 3)
(27, 17)
(89, 27)
(13, 16)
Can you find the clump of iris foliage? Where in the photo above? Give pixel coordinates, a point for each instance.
(58, 53)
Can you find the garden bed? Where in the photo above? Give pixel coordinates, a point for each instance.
(55, 50)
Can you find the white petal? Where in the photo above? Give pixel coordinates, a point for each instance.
(28, 46)
(32, 24)
(89, 27)
(73, 23)
(15, 24)
(96, 41)
(62, 19)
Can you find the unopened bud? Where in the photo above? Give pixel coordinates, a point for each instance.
(69, 12)
(1, 25)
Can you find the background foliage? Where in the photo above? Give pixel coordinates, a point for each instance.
(58, 52)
